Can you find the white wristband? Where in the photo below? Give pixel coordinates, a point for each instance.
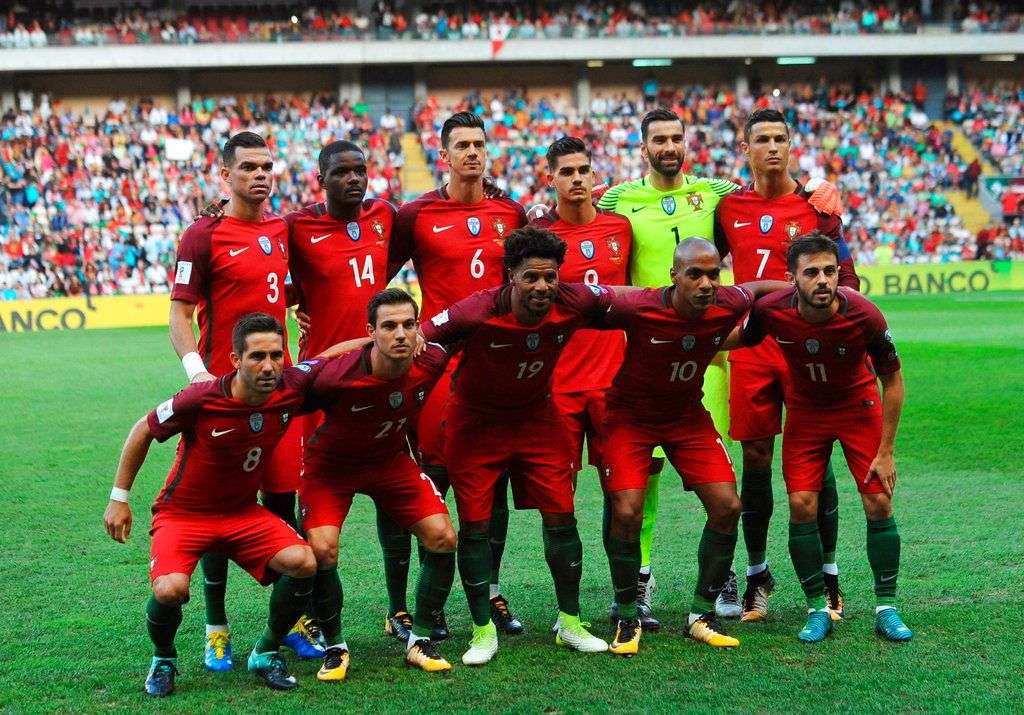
(119, 494)
(193, 365)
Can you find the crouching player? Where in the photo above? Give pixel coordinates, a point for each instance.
(369, 397)
(826, 335)
(672, 335)
(500, 417)
(229, 428)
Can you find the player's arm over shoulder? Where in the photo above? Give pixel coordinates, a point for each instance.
(177, 414)
(759, 289)
(460, 320)
(402, 242)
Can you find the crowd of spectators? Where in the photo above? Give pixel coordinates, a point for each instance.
(94, 202)
(991, 117)
(449, 21)
(890, 164)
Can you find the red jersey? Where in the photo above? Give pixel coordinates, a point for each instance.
(366, 418)
(507, 366)
(337, 267)
(597, 252)
(225, 443)
(456, 248)
(662, 375)
(827, 361)
(757, 232)
(229, 268)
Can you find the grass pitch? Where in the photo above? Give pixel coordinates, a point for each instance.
(72, 600)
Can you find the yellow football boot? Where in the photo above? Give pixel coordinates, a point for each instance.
(335, 666)
(627, 638)
(703, 630)
(423, 655)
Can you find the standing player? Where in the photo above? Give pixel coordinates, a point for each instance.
(665, 207)
(229, 266)
(672, 334)
(826, 335)
(500, 418)
(338, 262)
(369, 396)
(756, 225)
(229, 430)
(455, 237)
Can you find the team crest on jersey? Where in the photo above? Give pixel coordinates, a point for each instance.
(533, 341)
(793, 229)
(256, 421)
(395, 399)
(280, 244)
(696, 200)
(688, 342)
(353, 231)
(841, 351)
(265, 245)
(378, 229)
(285, 417)
(587, 249)
(812, 345)
(615, 247)
(499, 227)
(560, 339)
(421, 394)
(473, 224)
(766, 223)
(717, 341)
(668, 204)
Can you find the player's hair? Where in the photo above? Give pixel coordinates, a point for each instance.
(251, 323)
(763, 115)
(242, 140)
(563, 147)
(459, 119)
(389, 296)
(661, 114)
(809, 244)
(531, 242)
(336, 147)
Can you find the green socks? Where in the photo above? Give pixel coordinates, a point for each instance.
(805, 550)
(883, 544)
(499, 525)
(327, 602)
(650, 518)
(474, 558)
(215, 586)
(437, 572)
(758, 503)
(828, 516)
(714, 558)
(624, 563)
(162, 622)
(288, 600)
(563, 551)
(396, 547)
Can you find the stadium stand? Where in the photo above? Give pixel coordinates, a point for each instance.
(450, 21)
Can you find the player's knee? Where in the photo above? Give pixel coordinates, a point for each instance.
(724, 513)
(297, 562)
(757, 454)
(440, 540)
(877, 506)
(803, 507)
(171, 590)
(627, 515)
(325, 551)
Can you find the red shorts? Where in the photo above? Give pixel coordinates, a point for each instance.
(808, 438)
(691, 444)
(755, 393)
(429, 433)
(250, 538)
(583, 413)
(285, 464)
(397, 487)
(535, 450)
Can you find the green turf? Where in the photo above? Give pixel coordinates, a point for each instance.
(73, 636)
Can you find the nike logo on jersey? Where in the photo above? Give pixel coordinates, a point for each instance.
(438, 229)
(235, 251)
(740, 224)
(501, 345)
(318, 239)
(655, 341)
(638, 209)
(218, 433)
(360, 409)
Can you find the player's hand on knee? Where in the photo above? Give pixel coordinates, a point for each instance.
(883, 468)
(118, 520)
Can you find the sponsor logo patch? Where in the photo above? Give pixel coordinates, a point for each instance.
(353, 230)
(587, 249)
(256, 421)
(473, 224)
(668, 204)
(533, 341)
(440, 319)
(395, 399)
(766, 223)
(165, 410)
(812, 345)
(265, 245)
(689, 342)
(184, 274)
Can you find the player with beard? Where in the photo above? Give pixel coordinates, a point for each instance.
(756, 225)
(827, 334)
(666, 207)
(455, 238)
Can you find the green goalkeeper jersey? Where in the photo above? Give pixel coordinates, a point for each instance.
(661, 219)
